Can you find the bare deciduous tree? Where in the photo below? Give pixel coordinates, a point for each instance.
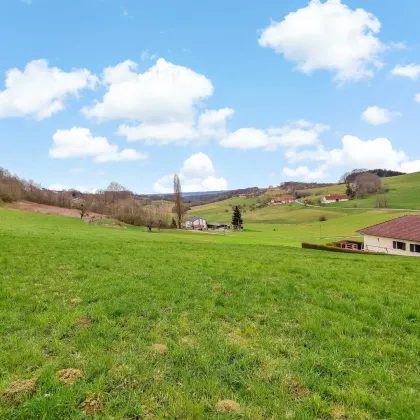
(366, 183)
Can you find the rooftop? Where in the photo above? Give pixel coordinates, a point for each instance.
(404, 227)
(336, 196)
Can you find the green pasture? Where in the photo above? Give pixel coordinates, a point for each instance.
(169, 324)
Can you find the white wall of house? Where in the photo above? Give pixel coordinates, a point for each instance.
(378, 244)
(325, 201)
(198, 222)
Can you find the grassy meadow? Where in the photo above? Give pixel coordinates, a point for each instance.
(119, 323)
(403, 193)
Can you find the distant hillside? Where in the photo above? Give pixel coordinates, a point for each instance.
(402, 192)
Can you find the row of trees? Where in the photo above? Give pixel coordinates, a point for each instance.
(115, 202)
(350, 177)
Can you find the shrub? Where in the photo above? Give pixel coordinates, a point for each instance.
(335, 249)
(322, 218)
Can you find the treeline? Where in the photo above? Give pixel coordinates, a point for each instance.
(200, 199)
(349, 177)
(115, 202)
(293, 187)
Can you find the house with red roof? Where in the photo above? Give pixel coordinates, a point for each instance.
(282, 200)
(400, 236)
(334, 198)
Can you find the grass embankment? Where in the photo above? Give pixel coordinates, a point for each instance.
(169, 324)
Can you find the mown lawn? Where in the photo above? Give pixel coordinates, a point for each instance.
(167, 325)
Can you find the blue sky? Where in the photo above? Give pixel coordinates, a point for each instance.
(228, 94)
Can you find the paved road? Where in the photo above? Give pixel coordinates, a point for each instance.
(353, 208)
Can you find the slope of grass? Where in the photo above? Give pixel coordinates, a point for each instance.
(404, 193)
(284, 332)
(280, 214)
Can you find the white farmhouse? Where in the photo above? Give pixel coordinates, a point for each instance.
(334, 198)
(195, 222)
(400, 236)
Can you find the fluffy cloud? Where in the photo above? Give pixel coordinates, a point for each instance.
(357, 153)
(161, 105)
(412, 71)
(328, 35)
(79, 142)
(303, 172)
(376, 116)
(164, 133)
(210, 124)
(299, 133)
(197, 174)
(417, 97)
(40, 91)
(164, 93)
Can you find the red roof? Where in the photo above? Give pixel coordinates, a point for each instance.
(404, 227)
(337, 197)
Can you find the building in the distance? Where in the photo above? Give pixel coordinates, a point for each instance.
(282, 200)
(334, 198)
(400, 236)
(196, 223)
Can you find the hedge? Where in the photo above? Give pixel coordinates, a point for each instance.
(335, 249)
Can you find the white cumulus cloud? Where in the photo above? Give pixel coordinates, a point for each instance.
(197, 174)
(412, 71)
(164, 93)
(376, 116)
(40, 91)
(303, 172)
(358, 153)
(299, 133)
(330, 36)
(79, 142)
(161, 105)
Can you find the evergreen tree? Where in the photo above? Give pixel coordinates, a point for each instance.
(237, 218)
(349, 191)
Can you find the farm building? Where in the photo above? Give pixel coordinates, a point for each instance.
(215, 225)
(282, 200)
(400, 236)
(194, 222)
(335, 198)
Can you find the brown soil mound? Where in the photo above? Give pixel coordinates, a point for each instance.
(160, 348)
(69, 376)
(84, 323)
(91, 405)
(76, 301)
(228, 406)
(16, 391)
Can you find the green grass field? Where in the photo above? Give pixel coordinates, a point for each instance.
(404, 193)
(168, 324)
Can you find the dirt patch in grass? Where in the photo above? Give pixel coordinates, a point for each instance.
(338, 412)
(228, 406)
(91, 405)
(17, 390)
(76, 301)
(160, 348)
(46, 209)
(84, 322)
(69, 376)
(215, 288)
(298, 390)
